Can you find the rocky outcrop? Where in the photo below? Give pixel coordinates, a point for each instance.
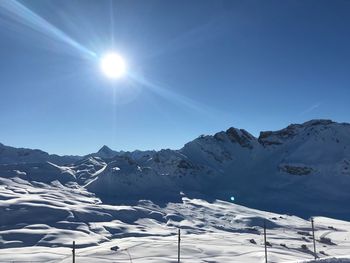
(296, 169)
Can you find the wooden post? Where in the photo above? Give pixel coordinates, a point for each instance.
(73, 252)
(313, 236)
(265, 243)
(129, 255)
(178, 245)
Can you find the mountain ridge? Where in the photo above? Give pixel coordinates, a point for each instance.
(109, 152)
(301, 161)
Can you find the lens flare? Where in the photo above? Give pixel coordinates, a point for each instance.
(23, 16)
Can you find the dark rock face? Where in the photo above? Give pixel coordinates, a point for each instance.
(296, 170)
(185, 164)
(277, 138)
(267, 138)
(242, 137)
(318, 122)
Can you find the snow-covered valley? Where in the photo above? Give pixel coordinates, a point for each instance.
(138, 200)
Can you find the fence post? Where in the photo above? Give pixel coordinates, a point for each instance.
(73, 252)
(129, 255)
(178, 245)
(265, 241)
(313, 236)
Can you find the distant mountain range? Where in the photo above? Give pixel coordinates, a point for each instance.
(303, 169)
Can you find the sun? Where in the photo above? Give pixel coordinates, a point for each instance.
(113, 65)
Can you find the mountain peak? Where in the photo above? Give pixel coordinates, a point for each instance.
(240, 136)
(105, 149)
(106, 152)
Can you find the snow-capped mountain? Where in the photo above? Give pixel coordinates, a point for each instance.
(12, 155)
(304, 170)
(105, 152)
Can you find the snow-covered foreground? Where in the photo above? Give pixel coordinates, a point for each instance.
(203, 248)
(40, 221)
(332, 260)
(218, 246)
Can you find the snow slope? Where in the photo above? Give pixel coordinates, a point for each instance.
(212, 230)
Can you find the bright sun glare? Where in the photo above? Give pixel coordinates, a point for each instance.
(113, 65)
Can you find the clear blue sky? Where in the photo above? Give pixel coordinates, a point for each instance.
(198, 67)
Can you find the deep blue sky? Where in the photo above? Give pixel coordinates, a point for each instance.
(205, 65)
